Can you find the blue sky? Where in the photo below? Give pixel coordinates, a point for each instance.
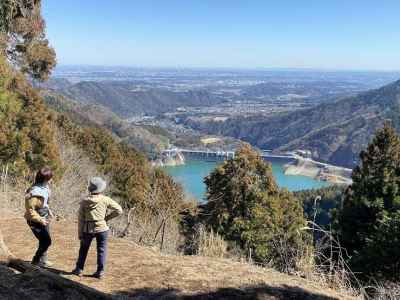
(323, 34)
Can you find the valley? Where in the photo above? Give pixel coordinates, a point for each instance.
(213, 149)
(329, 115)
(332, 114)
(133, 92)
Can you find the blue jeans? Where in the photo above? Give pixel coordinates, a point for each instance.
(42, 233)
(86, 240)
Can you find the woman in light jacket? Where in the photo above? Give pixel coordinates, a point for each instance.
(38, 214)
(92, 223)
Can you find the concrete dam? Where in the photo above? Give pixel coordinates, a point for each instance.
(208, 155)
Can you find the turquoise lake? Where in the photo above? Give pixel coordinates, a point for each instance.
(192, 173)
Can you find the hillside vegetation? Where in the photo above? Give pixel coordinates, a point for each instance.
(128, 99)
(335, 132)
(147, 139)
(27, 138)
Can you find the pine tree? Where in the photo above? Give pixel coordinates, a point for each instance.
(369, 222)
(246, 206)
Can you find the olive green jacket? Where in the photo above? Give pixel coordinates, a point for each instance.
(92, 216)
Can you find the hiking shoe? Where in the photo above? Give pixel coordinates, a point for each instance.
(98, 275)
(77, 272)
(43, 264)
(47, 264)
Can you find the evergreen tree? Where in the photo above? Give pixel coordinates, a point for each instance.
(246, 206)
(369, 222)
(27, 140)
(22, 38)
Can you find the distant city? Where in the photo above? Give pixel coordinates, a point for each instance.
(244, 92)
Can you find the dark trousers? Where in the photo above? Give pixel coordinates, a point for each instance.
(42, 233)
(101, 241)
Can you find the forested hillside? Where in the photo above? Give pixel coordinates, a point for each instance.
(27, 138)
(335, 132)
(150, 140)
(128, 98)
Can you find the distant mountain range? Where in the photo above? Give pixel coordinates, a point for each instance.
(335, 132)
(128, 98)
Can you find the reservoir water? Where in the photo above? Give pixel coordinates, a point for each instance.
(191, 176)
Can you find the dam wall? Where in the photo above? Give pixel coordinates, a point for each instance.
(205, 155)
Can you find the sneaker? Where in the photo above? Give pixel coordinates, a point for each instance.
(46, 264)
(35, 263)
(77, 272)
(98, 275)
(42, 264)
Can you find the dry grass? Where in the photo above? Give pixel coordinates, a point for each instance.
(148, 230)
(383, 291)
(66, 193)
(326, 264)
(11, 191)
(140, 272)
(72, 186)
(210, 244)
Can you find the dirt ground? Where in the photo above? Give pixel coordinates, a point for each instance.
(135, 272)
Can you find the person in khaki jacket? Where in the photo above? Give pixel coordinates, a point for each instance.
(92, 223)
(38, 214)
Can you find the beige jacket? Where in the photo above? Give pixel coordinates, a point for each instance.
(93, 214)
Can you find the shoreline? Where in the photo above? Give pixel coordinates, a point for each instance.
(297, 165)
(319, 171)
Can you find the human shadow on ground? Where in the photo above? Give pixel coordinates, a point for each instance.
(57, 271)
(257, 292)
(44, 284)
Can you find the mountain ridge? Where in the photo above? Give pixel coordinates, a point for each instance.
(334, 132)
(128, 98)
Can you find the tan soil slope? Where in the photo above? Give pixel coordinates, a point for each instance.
(140, 273)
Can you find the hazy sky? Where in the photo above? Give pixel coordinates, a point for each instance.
(334, 34)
